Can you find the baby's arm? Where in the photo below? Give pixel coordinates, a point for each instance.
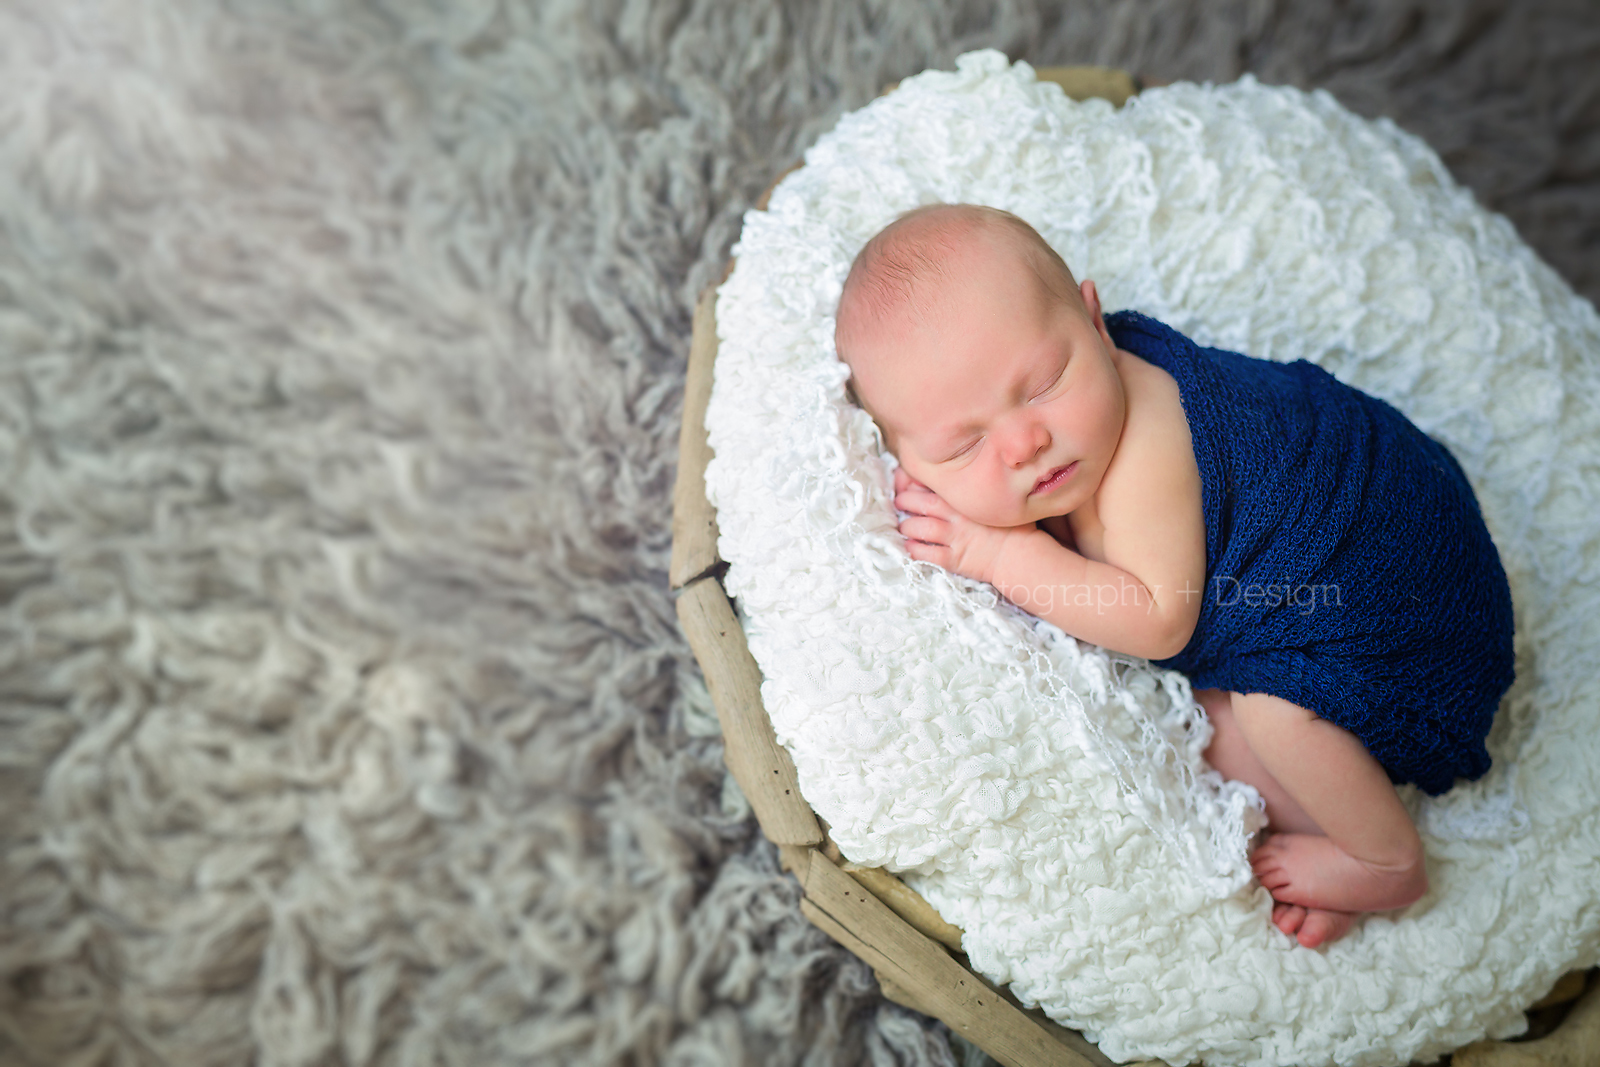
(1091, 600)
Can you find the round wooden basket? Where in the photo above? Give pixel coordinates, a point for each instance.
(915, 954)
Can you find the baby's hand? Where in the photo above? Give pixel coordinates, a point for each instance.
(937, 533)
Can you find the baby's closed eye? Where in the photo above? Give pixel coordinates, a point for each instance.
(1050, 386)
(965, 449)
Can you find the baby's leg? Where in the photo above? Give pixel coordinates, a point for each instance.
(1344, 842)
(1230, 754)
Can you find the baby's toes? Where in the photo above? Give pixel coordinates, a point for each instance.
(1288, 917)
(1321, 927)
(1271, 846)
(1269, 873)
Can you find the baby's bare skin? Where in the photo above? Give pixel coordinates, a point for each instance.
(1037, 456)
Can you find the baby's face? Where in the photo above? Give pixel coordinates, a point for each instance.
(1005, 400)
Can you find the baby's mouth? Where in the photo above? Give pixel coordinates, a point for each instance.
(1054, 478)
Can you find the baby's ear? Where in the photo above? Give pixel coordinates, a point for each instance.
(850, 392)
(1091, 300)
(1091, 304)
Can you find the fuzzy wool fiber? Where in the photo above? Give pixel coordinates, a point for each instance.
(346, 719)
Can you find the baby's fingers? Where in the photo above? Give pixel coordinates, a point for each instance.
(926, 530)
(904, 481)
(920, 501)
(938, 555)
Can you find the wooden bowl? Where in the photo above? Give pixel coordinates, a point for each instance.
(915, 954)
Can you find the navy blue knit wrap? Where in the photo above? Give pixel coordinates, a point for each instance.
(1348, 568)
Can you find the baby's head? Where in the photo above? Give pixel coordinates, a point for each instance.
(984, 362)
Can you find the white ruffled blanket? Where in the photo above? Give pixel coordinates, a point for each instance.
(1048, 797)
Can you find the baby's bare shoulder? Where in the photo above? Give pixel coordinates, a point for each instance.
(1149, 501)
(1155, 451)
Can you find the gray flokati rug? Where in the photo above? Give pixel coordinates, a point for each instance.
(345, 715)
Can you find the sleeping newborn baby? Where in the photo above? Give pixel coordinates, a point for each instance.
(1313, 562)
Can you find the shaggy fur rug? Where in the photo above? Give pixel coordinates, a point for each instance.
(345, 717)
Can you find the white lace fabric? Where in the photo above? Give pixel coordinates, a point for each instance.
(1049, 797)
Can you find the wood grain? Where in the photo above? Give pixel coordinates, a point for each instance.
(1081, 83)
(694, 520)
(906, 903)
(1576, 1043)
(921, 974)
(757, 762)
(1567, 989)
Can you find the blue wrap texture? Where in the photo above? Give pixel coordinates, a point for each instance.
(1348, 568)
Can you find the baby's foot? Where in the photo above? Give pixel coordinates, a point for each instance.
(1310, 870)
(1311, 926)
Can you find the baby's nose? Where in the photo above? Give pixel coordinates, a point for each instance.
(1022, 442)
